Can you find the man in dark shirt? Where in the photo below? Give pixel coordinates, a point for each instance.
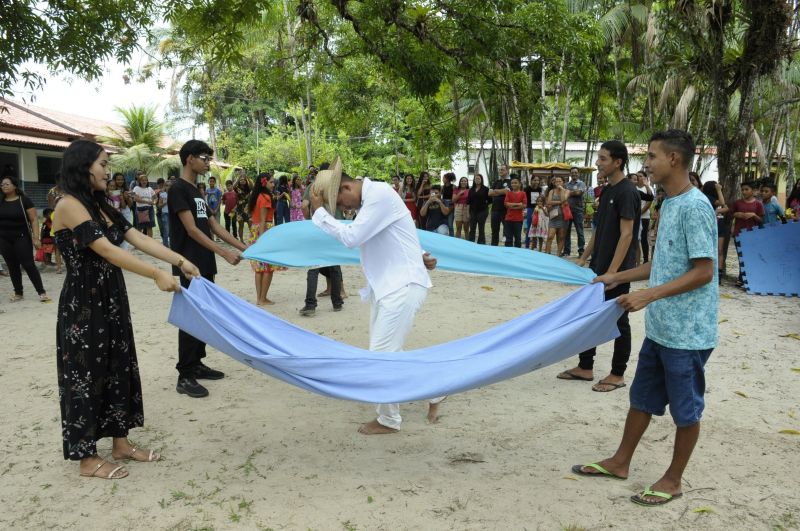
(612, 249)
(190, 229)
(498, 193)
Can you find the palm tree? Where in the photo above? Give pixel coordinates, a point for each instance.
(140, 141)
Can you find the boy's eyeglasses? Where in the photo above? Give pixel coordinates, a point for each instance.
(206, 158)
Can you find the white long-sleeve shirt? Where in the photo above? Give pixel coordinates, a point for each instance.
(384, 232)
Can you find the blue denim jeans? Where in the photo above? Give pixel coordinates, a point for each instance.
(577, 222)
(163, 227)
(669, 376)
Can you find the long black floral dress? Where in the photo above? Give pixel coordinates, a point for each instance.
(98, 375)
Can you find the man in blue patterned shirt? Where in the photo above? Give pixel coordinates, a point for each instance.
(680, 321)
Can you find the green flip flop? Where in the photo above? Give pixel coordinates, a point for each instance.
(639, 499)
(601, 472)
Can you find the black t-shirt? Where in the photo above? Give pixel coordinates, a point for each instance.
(435, 217)
(478, 199)
(498, 201)
(183, 196)
(13, 216)
(620, 201)
(533, 194)
(447, 193)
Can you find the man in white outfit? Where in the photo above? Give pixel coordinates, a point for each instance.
(392, 260)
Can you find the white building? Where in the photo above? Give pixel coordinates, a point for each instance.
(705, 164)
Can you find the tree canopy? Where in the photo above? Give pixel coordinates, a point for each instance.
(400, 85)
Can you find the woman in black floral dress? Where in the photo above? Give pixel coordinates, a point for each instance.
(98, 375)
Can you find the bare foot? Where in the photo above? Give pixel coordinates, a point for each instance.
(95, 467)
(375, 428)
(609, 383)
(126, 451)
(576, 373)
(620, 471)
(433, 413)
(267, 302)
(260, 303)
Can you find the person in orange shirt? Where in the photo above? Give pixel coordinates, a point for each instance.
(261, 220)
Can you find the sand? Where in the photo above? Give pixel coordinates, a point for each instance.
(260, 454)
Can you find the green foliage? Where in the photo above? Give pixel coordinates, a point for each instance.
(68, 35)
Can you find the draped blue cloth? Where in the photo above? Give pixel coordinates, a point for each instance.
(549, 334)
(302, 244)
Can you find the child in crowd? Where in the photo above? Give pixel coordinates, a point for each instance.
(540, 225)
(229, 200)
(46, 238)
(773, 213)
(748, 213)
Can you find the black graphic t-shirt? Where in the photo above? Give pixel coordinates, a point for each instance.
(619, 201)
(182, 196)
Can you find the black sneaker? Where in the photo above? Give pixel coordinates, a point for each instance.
(189, 386)
(308, 311)
(201, 372)
(337, 308)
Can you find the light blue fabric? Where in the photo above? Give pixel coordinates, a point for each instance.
(687, 230)
(549, 334)
(302, 244)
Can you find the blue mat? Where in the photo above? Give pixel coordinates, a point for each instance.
(770, 259)
(302, 244)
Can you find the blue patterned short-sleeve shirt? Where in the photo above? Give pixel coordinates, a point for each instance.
(687, 230)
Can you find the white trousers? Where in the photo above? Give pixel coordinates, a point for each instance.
(391, 319)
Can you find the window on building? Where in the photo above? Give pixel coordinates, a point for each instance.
(9, 163)
(48, 169)
(470, 169)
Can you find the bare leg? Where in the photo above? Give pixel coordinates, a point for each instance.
(259, 293)
(549, 244)
(635, 426)
(560, 233)
(670, 482)
(266, 281)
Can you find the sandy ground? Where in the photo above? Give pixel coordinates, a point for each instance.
(260, 454)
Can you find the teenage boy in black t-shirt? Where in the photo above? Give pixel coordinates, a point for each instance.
(190, 229)
(612, 249)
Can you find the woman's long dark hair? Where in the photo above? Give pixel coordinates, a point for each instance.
(15, 182)
(75, 179)
(259, 187)
(473, 182)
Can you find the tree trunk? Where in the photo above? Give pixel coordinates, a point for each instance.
(563, 155)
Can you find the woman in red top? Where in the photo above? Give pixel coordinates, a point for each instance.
(515, 203)
(261, 218)
(409, 194)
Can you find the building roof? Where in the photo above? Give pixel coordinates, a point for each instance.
(14, 138)
(19, 118)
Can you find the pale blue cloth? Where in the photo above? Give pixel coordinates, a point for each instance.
(687, 230)
(547, 335)
(302, 244)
